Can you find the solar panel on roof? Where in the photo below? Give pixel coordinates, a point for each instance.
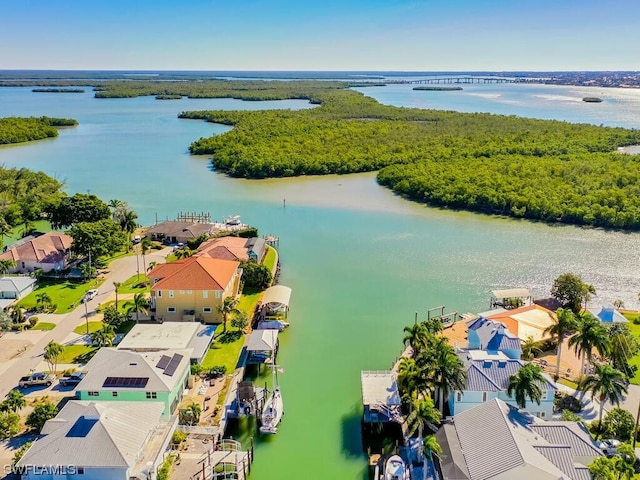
(135, 382)
(163, 362)
(82, 427)
(173, 364)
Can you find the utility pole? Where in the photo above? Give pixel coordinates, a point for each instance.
(86, 312)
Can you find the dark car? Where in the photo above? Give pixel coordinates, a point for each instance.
(74, 379)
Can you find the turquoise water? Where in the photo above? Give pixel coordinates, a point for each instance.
(361, 261)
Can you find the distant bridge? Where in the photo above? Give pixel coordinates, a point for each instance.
(450, 80)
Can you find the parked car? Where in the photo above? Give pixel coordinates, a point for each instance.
(609, 447)
(90, 295)
(74, 379)
(34, 379)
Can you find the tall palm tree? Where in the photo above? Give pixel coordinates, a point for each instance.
(591, 335)
(416, 337)
(410, 379)
(563, 323)
(6, 265)
(226, 308)
(183, 253)
(431, 446)
(526, 384)
(529, 348)
(140, 304)
(145, 245)
(117, 285)
(104, 337)
(52, 352)
(129, 221)
(43, 300)
(5, 230)
(424, 415)
(607, 383)
(447, 370)
(152, 265)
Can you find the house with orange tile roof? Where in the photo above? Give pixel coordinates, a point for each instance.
(46, 252)
(234, 248)
(192, 289)
(529, 321)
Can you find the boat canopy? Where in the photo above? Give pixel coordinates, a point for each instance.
(263, 341)
(278, 294)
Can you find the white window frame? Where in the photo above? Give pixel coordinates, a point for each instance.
(205, 294)
(170, 293)
(93, 394)
(151, 395)
(181, 292)
(171, 309)
(218, 293)
(189, 292)
(207, 310)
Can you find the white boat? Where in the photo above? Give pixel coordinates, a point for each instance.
(395, 469)
(273, 325)
(273, 408)
(232, 220)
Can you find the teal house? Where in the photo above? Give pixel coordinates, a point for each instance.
(125, 376)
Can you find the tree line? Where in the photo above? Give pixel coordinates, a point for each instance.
(18, 130)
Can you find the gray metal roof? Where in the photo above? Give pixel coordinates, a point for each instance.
(262, 341)
(15, 284)
(201, 341)
(379, 388)
(494, 335)
(96, 434)
(497, 440)
(109, 362)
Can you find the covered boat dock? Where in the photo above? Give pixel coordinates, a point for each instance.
(275, 302)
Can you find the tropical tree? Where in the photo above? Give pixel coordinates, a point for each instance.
(446, 370)
(195, 410)
(105, 336)
(411, 382)
(618, 304)
(140, 304)
(5, 230)
(563, 323)
(526, 384)
(145, 245)
(591, 335)
(623, 347)
(423, 415)
(185, 252)
(607, 384)
(416, 337)
(431, 446)
(240, 320)
(9, 425)
(116, 286)
(152, 265)
(43, 301)
(40, 414)
(226, 308)
(571, 291)
(529, 348)
(17, 315)
(129, 221)
(618, 423)
(52, 352)
(15, 401)
(6, 265)
(87, 271)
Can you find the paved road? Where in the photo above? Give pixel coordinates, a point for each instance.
(119, 271)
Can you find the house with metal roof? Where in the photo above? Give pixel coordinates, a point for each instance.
(100, 440)
(485, 334)
(126, 376)
(45, 252)
(520, 446)
(487, 379)
(192, 289)
(13, 289)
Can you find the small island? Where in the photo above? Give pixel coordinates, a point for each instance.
(438, 89)
(592, 99)
(168, 97)
(58, 90)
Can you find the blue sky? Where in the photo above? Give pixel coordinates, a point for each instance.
(320, 35)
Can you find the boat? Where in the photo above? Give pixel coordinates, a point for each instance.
(272, 410)
(273, 325)
(393, 468)
(232, 220)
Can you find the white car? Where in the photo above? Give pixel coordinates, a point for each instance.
(609, 447)
(90, 295)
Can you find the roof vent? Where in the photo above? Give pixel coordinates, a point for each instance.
(133, 364)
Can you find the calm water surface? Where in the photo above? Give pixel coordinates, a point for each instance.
(361, 261)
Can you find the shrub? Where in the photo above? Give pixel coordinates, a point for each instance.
(196, 369)
(9, 424)
(619, 423)
(636, 321)
(41, 413)
(178, 437)
(20, 453)
(163, 473)
(564, 402)
(33, 321)
(217, 371)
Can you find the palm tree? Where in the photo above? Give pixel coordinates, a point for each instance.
(410, 379)
(15, 401)
(145, 245)
(140, 304)
(564, 322)
(43, 300)
(591, 335)
(152, 265)
(129, 221)
(52, 352)
(117, 285)
(6, 265)
(28, 229)
(431, 446)
(529, 347)
(104, 337)
(416, 337)
(183, 253)
(5, 230)
(226, 308)
(526, 384)
(423, 415)
(607, 383)
(116, 205)
(17, 315)
(447, 370)
(195, 410)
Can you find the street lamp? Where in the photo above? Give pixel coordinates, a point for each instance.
(86, 311)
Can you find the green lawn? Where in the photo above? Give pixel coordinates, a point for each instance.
(135, 285)
(16, 234)
(634, 361)
(225, 349)
(77, 353)
(44, 326)
(65, 294)
(93, 327)
(271, 259)
(249, 300)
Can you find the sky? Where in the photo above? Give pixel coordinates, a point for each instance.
(347, 35)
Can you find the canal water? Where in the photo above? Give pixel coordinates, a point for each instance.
(361, 261)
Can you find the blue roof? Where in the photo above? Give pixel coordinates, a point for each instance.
(494, 335)
(493, 375)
